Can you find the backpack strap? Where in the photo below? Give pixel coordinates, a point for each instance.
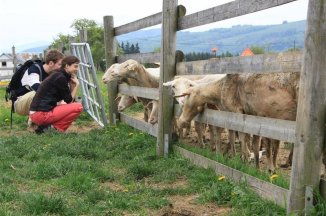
(39, 68)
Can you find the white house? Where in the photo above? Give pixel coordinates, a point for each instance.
(7, 65)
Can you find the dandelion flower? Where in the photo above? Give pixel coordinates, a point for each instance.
(273, 177)
(221, 178)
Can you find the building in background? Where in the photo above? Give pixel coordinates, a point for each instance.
(247, 52)
(7, 65)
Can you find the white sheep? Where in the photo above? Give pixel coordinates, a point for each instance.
(269, 95)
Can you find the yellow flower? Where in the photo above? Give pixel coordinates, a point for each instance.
(273, 177)
(125, 190)
(221, 178)
(6, 120)
(130, 134)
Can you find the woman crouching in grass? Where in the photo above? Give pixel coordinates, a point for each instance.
(46, 109)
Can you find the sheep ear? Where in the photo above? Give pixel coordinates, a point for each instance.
(133, 65)
(169, 83)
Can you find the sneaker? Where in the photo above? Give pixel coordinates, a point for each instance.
(42, 128)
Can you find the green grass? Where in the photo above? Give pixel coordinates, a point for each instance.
(70, 174)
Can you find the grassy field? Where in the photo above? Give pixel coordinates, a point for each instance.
(112, 171)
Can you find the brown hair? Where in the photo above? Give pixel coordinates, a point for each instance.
(53, 55)
(69, 60)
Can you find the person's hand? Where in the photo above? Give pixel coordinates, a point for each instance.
(74, 81)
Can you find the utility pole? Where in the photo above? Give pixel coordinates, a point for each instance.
(14, 58)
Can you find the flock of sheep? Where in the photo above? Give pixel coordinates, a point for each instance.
(272, 95)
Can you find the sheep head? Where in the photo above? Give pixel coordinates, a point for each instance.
(107, 77)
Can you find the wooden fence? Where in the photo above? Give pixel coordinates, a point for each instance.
(307, 132)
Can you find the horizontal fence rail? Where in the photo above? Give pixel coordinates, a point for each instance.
(227, 11)
(149, 21)
(145, 22)
(150, 93)
(5, 77)
(141, 57)
(266, 127)
(139, 124)
(7, 69)
(264, 63)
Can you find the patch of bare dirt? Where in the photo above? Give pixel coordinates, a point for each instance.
(184, 205)
(74, 128)
(187, 206)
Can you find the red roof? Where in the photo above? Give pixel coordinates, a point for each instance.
(214, 49)
(247, 52)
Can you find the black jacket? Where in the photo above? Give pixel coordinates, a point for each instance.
(52, 90)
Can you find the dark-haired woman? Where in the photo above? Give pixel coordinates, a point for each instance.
(46, 110)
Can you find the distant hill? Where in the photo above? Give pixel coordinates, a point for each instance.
(272, 37)
(38, 49)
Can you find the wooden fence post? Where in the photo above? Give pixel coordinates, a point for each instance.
(110, 54)
(167, 72)
(310, 126)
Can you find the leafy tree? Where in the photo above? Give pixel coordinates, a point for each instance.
(137, 49)
(257, 49)
(293, 49)
(157, 49)
(79, 24)
(61, 42)
(130, 48)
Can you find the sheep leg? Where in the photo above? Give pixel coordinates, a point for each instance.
(256, 143)
(288, 162)
(231, 135)
(269, 155)
(275, 147)
(245, 152)
(215, 138)
(186, 131)
(218, 136)
(176, 129)
(199, 127)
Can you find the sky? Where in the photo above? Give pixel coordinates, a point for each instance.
(40, 21)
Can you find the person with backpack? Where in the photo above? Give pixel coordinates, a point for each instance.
(46, 109)
(33, 75)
